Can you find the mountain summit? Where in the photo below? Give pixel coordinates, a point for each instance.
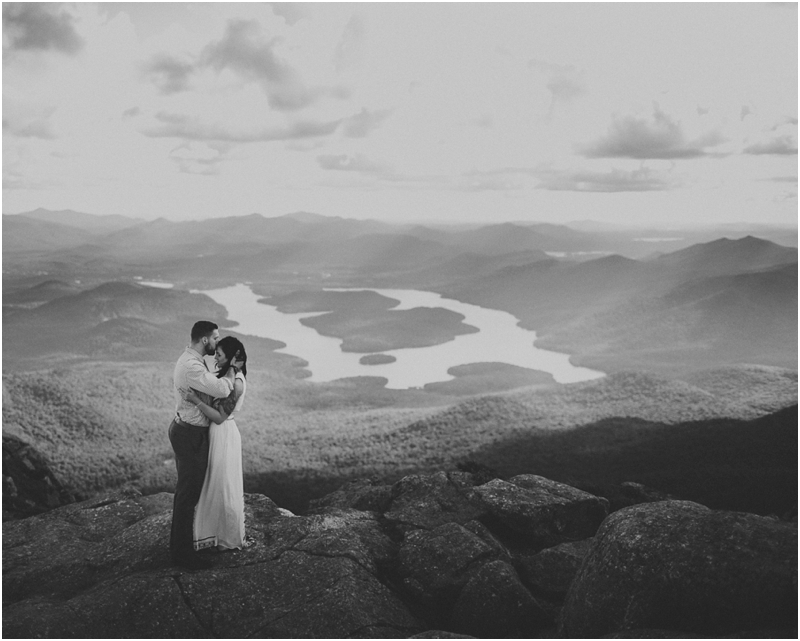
(730, 256)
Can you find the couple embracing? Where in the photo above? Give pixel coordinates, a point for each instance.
(208, 510)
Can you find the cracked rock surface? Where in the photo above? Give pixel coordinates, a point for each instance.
(102, 569)
(444, 555)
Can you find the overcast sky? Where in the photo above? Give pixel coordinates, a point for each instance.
(627, 113)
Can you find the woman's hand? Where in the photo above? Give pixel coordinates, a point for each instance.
(237, 362)
(192, 397)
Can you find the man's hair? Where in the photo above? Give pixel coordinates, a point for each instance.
(202, 328)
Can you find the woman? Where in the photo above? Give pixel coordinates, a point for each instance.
(219, 519)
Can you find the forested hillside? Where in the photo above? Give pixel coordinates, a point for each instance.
(749, 466)
(105, 425)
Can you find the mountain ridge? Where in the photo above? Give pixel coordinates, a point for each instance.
(97, 223)
(610, 313)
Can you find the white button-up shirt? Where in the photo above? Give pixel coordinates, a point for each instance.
(191, 371)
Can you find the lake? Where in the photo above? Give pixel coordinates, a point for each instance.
(500, 340)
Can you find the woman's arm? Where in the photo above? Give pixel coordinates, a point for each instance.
(225, 406)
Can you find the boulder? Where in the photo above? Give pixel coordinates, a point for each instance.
(428, 501)
(551, 571)
(535, 512)
(495, 604)
(653, 634)
(435, 564)
(640, 493)
(29, 485)
(362, 494)
(679, 566)
(683, 634)
(352, 534)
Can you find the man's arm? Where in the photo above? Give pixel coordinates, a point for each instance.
(199, 378)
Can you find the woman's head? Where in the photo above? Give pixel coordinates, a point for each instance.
(226, 350)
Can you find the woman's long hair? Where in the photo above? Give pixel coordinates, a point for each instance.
(229, 346)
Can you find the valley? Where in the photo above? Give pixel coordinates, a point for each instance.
(701, 331)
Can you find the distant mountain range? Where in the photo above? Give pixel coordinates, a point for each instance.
(114, 318)
(136, 239)
(710, 303)
(90, 222)
(727, 301)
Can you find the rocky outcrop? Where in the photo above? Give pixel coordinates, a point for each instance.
(538, 512)
(550, 572)
(101, 569)
(429, 501)
(432, 556)
(676, 565)
(29, 485)
(361, 494)
(495, 604)
(435, 565)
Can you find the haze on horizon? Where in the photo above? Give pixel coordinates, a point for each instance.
(630, 113)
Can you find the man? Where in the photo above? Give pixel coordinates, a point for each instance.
(188, 434)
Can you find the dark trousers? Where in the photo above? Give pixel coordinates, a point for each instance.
(191, 458)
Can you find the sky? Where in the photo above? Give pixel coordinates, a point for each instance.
(625, 113)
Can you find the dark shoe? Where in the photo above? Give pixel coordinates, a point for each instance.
(192, 562)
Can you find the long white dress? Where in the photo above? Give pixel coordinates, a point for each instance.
(219, 518)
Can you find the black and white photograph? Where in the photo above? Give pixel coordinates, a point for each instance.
(433, 320)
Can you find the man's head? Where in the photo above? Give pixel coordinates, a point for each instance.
(205, 335)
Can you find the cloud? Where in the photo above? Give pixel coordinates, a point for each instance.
(781, 146)
(200, 158)
(131, 113)
(565, 82)
(477, 181)
(37, 128)
(293, 97)
(27, 121)
(39, 26)
(364, 122)
(565, 88)
(169, 74)
(614, 181)
(181, 126)
(359, 163)
(241, 51)
(15, 178)
(513, 178)
(244, 51)
(349, 51)
(660, 138)
(199, 166)
(291, 12)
